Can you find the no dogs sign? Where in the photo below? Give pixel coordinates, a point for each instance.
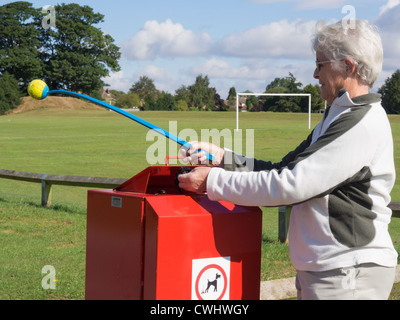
(210, 278)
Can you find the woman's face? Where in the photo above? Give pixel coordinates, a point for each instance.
(330, 80)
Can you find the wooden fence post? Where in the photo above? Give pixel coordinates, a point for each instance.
(46, 194)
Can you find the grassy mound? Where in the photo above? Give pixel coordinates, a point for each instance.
(29, 104)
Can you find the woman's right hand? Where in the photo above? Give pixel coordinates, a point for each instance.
(196, 154)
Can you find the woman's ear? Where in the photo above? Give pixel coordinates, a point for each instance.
(350, 66)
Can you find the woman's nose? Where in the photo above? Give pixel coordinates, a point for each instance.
(316, 73)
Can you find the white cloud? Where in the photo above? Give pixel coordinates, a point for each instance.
(271, 1)
(389, 19)
(318, 4)
(252, 74)
(118, 81)
(163, 80)
(381, 80)
(166, 39)
(389, 26)
(389, 5)
(308, 4)
(280, 39)
(217, 68)
(249, 59)
(253, 69)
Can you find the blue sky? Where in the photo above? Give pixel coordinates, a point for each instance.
(238, 43)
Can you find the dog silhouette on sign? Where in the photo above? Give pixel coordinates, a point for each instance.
(213, 283)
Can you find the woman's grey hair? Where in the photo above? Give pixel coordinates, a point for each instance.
(361, 43)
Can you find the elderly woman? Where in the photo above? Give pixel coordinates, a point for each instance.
(338, 180)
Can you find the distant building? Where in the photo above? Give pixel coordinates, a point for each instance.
(107, 96)
(242, 104)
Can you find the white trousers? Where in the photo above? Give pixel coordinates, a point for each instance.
(363, 282)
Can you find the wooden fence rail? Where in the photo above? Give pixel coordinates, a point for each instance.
(48, 180)
(96, 182)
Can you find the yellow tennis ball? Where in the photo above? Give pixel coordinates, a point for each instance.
(38, 89)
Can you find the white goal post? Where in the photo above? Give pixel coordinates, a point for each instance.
(274, 94)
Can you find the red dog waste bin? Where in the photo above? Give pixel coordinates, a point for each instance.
(148, 240)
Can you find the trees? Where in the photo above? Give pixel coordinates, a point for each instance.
(19, 42)
(390, 92)
(201, 95)
(75, 55)
(317, 103)
(144, 87)
(182, 94)
(219, 104)
(292, 104)
(150, 97)
(283, 104)
(126, 100)
(251, 102)
(10, 95)
(185, 97)
(232, 98)
(182, 98)
(288, 83)
(181, 105)
(198, 96)
(231, 94)
(165, 101)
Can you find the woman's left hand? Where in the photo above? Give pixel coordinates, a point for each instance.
(195, 180)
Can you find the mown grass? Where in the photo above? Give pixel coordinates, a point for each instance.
(102, 143)
(33, 237)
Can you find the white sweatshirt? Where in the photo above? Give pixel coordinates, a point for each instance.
(338, 180)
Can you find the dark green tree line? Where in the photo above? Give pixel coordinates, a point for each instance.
(390, 92)
(74, 55)
(10, 95)
(20, 42)
(291, 104)
(198, 96)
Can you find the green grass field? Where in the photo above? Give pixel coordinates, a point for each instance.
(102, 143)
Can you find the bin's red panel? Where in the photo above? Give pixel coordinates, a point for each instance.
(181, 229)
(114, 246)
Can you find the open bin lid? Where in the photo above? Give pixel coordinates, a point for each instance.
(154, 179)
